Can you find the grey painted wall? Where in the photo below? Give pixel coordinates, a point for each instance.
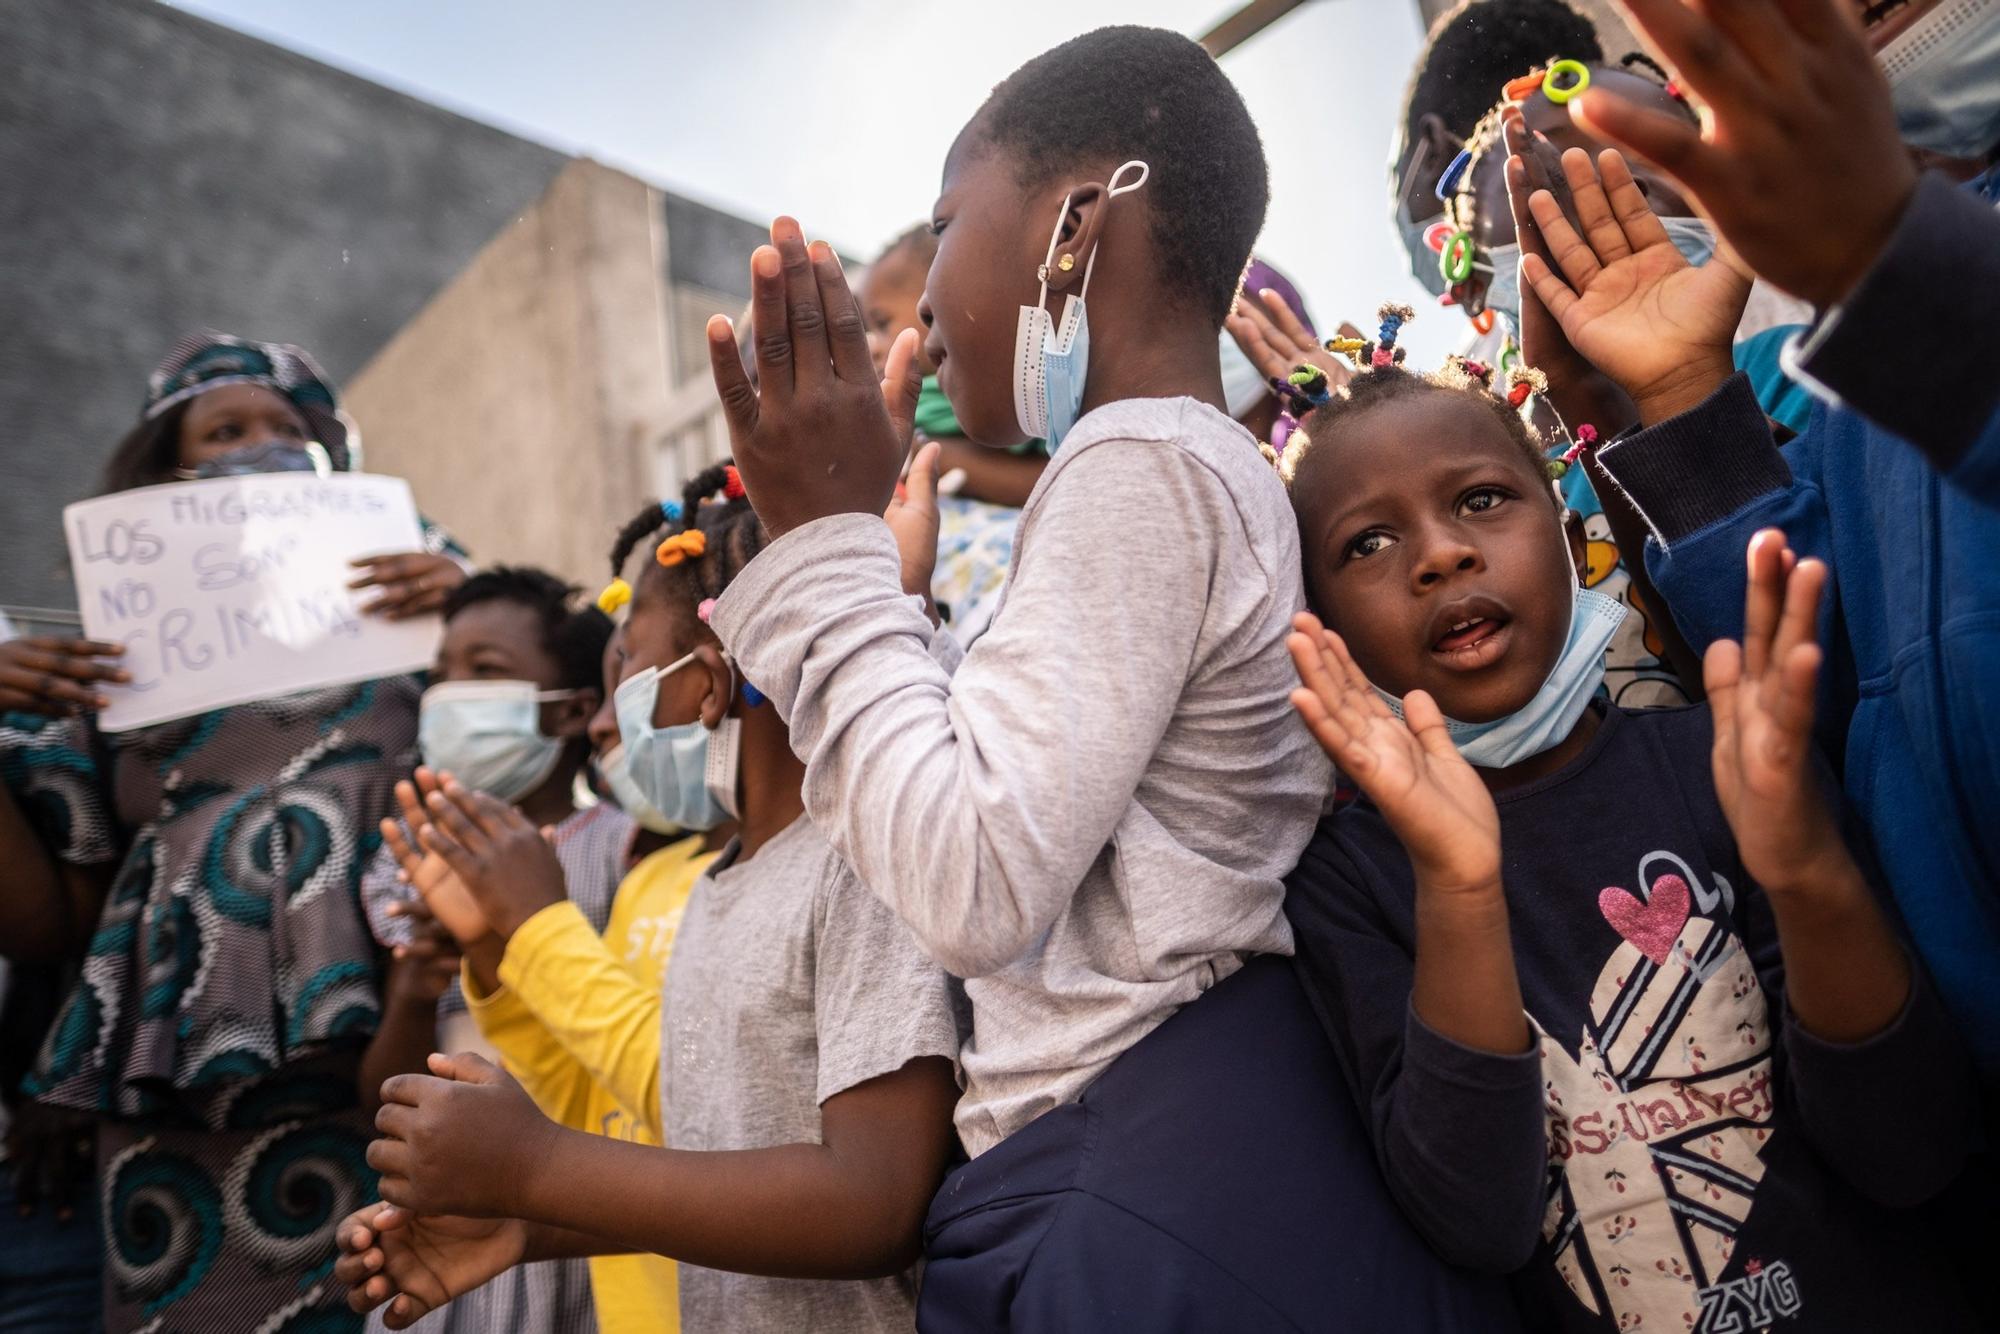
(160, 173)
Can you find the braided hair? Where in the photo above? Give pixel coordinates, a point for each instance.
(698, 544)
(1381, 378)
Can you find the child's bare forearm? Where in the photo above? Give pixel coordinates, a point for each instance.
(1465, 986)
(1847, 977)
(561, 1243)
(406, 1035)
(796, 1211)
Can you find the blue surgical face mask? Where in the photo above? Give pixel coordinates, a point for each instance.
(1691, 236)
(1546, 719)
(266, 456)
(686, 773)
(488, 735)
(617, 776)
(1941, 74)
(1423, 259)
(1051, 359)
(1413, 232)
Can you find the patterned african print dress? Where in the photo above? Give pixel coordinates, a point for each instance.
(227, 993)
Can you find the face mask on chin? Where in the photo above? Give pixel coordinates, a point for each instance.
(1546, 720)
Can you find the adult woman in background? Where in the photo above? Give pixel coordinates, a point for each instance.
(231, 987)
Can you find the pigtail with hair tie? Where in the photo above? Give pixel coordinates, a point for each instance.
(689, 545)
(1386, 353)
(1523, 381)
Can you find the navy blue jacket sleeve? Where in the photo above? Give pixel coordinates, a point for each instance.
(1460, 1134)
(1914, 347)
(1705, 482)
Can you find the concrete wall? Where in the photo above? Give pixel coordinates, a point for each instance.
(160, 173)
(520, 402)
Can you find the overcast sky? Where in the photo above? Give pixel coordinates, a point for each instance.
(840, 111)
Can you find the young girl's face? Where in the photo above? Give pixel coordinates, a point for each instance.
(992, 236)
(656, 635)
(1433, 546)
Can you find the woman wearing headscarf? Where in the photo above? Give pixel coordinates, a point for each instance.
(230, 988)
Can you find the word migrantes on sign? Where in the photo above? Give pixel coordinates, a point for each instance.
(235, 588)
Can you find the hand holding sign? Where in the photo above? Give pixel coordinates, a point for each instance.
(54, 676)
(412, 583)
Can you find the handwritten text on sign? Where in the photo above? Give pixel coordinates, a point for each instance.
(235, 588)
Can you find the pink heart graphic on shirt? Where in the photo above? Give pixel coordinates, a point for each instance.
(1652, 926)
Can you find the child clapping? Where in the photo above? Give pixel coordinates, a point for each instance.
(1617, 998)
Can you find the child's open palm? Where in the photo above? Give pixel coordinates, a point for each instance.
(417, 1262)
(496, 857)
(818, 434)
(442, 892)
(1625, 296)
(1277, 343)
(1430, 796)
(1761, 695)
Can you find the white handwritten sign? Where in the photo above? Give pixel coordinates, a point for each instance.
(235, 588)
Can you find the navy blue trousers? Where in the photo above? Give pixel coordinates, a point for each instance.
(1216, 1177)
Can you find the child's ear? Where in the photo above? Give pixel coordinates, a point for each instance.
(1579, 544)
(1081, 227)
(721, 692)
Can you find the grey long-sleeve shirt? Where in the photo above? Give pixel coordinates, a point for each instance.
(1088, 818)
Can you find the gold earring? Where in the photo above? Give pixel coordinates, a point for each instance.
(1066, 263)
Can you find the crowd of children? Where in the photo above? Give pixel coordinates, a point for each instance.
(1114, 811)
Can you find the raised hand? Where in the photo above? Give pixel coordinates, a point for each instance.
(425, 870)
(1847, 977)
(503, 862)
(460, 1140)
(819, 433)
(1433, 800)
(1277, 343)
(417, 1263)
(913, 517)
(1798, 126)
(1626, 298)
(1577, 390)
(1761, 694)
(411, 583)
(56, 675)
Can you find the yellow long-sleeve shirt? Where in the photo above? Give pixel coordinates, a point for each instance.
(576, 1018)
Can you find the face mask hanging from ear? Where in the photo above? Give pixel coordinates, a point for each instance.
(1050, 359)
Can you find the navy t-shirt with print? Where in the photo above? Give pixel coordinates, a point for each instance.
(1675, 1154)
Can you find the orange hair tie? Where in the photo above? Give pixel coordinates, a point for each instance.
(732, 484)
(1519, 90)
(690, 545)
